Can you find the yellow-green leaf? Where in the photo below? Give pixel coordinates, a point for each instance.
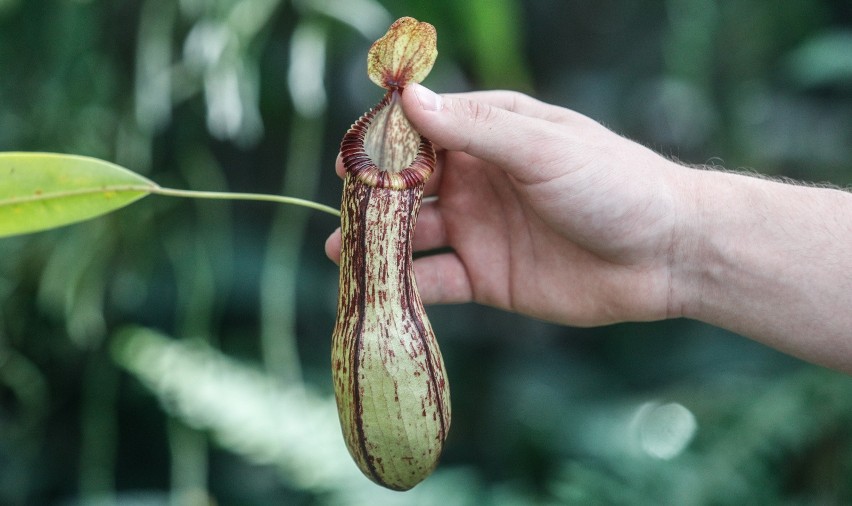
(404, 55)
(39, 191)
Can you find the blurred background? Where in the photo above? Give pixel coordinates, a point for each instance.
(177, 352)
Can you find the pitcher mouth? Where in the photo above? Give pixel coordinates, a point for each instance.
(359, 164)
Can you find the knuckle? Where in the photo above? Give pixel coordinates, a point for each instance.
(473, 112)
(515, 101)
(468, 116)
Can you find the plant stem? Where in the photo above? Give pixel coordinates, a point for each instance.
(193, 194)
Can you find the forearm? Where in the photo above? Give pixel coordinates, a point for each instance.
(770, 261)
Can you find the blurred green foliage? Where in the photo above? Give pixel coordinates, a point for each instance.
(254, 95)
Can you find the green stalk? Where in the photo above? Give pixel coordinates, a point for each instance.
(260, 197)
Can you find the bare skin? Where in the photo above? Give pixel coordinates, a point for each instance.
(549, 214)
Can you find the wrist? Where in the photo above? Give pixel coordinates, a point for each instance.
(712, 251)
(687, 254)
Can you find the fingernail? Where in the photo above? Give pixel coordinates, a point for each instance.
(429, 100)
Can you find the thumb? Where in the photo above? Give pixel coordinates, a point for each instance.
(518, 143)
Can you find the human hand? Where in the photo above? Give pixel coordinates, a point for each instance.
(546, 212)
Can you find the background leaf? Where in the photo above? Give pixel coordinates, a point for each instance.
(39, 191)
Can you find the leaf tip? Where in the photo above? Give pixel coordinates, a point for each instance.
(405, 54)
